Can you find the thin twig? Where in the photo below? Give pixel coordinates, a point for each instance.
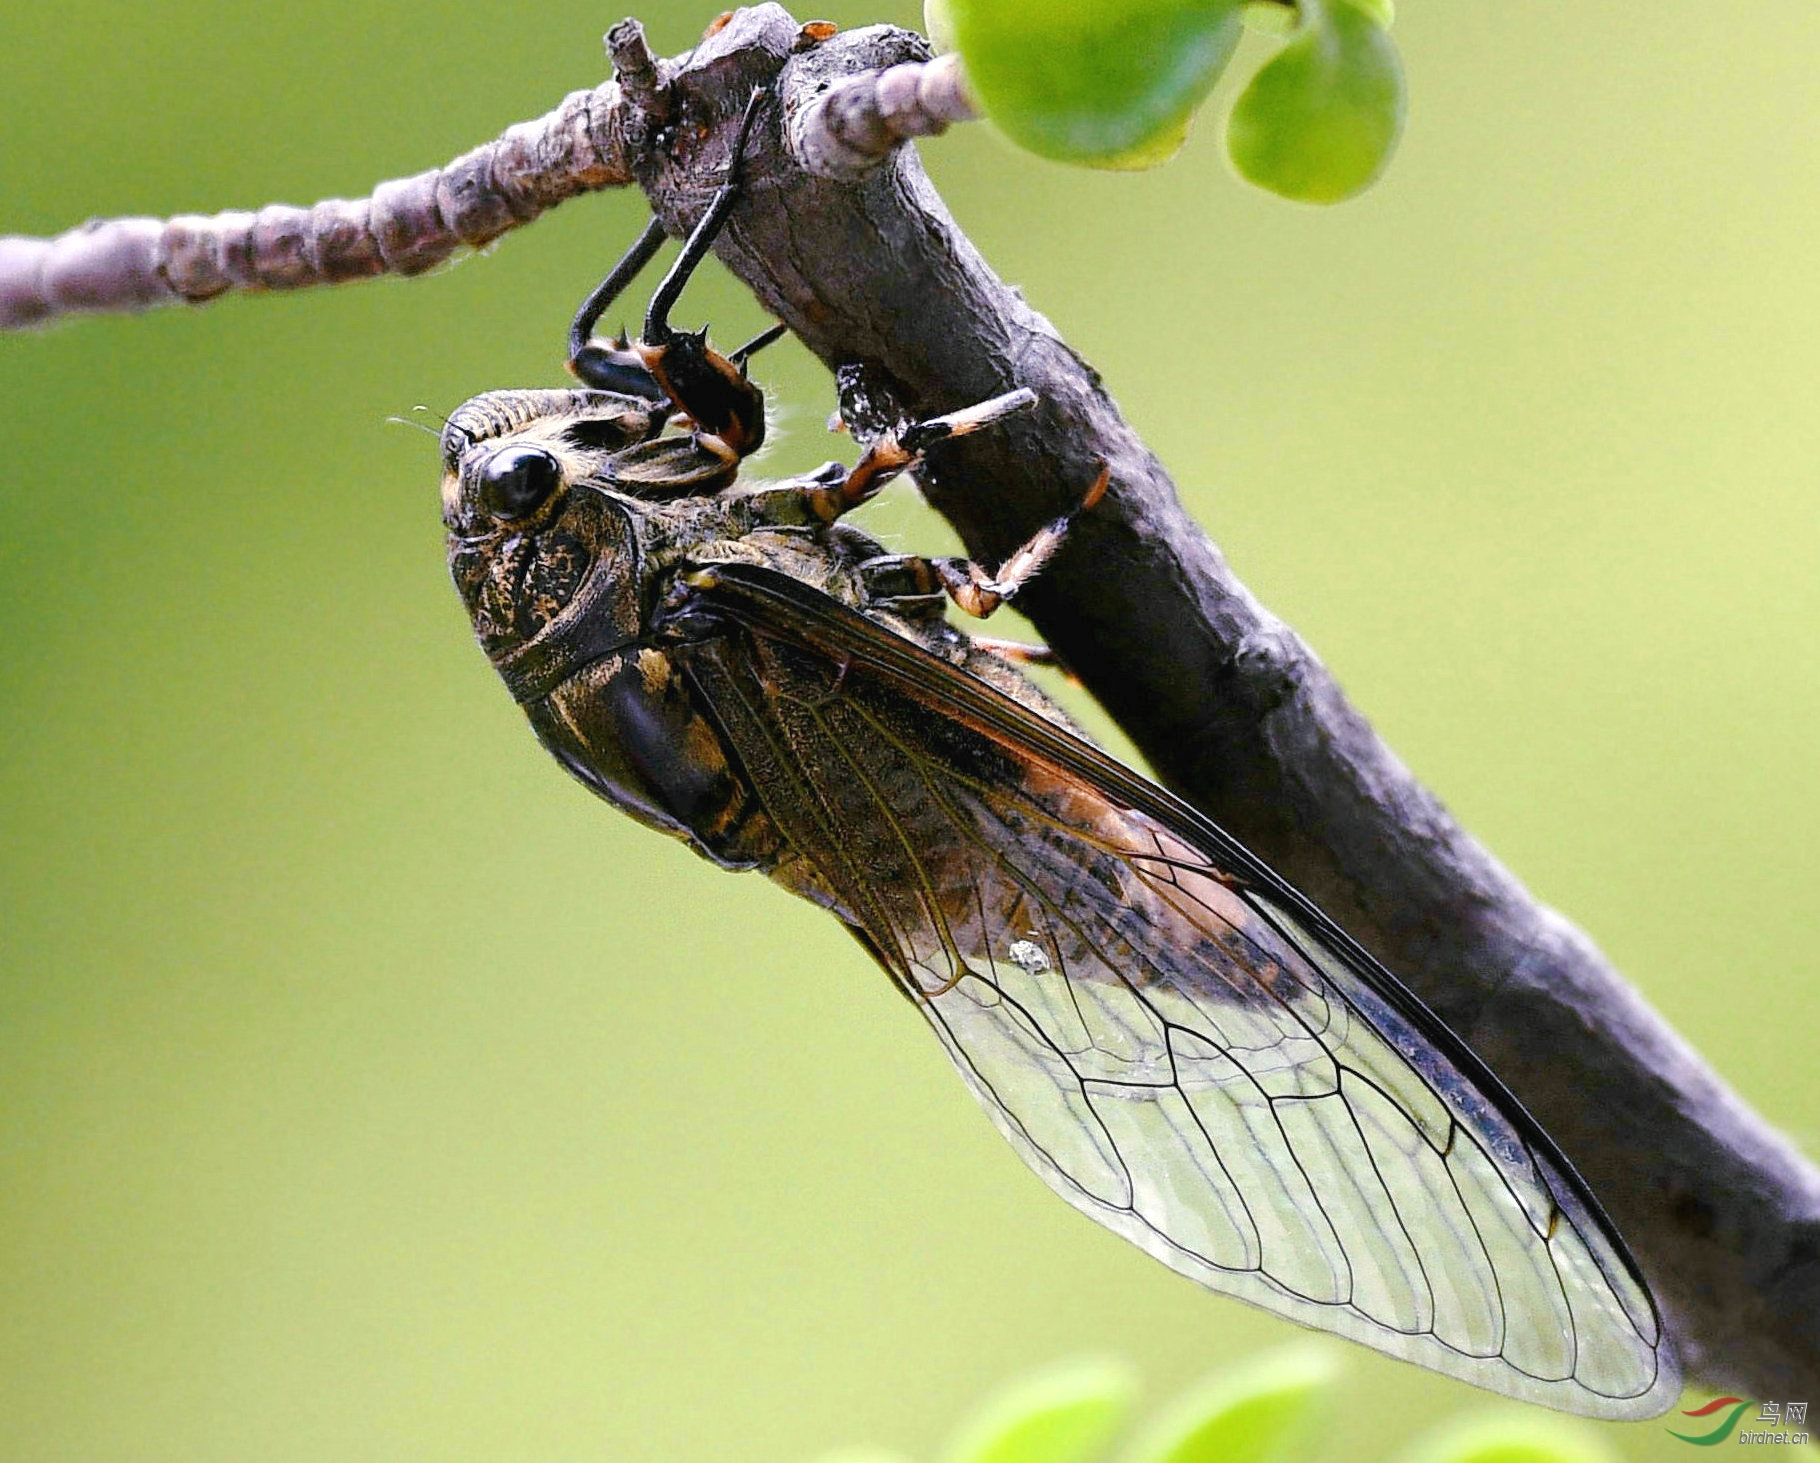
(409, 225)
(859, 121)
(406, 226)
(641, 76)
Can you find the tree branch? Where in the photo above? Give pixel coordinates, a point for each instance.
(409, 225)
(406, 226)
(841, 236)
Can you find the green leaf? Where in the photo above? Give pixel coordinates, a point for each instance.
(1321, 118)
(1510, 1437)
(1110, 83)
(1066, 1413)
(1270, 17)
(1249, 1414)
(937, 25)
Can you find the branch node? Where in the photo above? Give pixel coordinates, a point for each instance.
(109, 265)
(341, 232)
(23, 303)
(862, 119)
(639, 72)
(279, 251)
(200, 253)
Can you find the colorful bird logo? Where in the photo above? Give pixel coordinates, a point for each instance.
(1723, 1430)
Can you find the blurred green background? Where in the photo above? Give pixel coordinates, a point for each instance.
(369, 1093)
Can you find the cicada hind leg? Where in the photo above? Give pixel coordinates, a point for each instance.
(980, 593)
(677, 370)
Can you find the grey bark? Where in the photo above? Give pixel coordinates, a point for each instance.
(841, 236)
(406, 226)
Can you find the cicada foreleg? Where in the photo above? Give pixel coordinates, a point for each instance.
(616, 366)
(677, 369)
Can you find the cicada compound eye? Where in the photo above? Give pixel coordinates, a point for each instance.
(517, 481)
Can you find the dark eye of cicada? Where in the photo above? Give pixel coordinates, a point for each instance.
(517, 481)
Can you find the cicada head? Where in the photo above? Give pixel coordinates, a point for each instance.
(532, 539)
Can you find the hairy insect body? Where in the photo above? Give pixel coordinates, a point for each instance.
(1175, 1041)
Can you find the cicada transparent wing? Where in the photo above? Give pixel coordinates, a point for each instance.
(1181, 1046)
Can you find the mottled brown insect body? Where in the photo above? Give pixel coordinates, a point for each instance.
(582, 602)
(1180, 1045)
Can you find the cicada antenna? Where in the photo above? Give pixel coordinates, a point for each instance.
(415, 426)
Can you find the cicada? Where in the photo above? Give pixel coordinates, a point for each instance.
(1177, 1042)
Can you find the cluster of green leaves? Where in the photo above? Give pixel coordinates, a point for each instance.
(1114, 83)
(1269, 1410)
